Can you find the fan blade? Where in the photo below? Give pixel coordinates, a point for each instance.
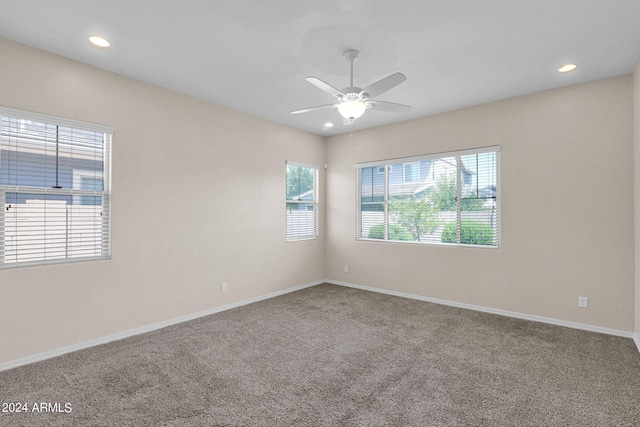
(326, 87)
(388, 106)
(381, 86)
(319, 107)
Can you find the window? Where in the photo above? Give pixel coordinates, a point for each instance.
(411, 172)
(381, 168)
(54, 188)
(302, 201)
(87, 180)
(447, 198)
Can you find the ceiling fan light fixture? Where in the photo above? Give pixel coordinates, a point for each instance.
(352, 109)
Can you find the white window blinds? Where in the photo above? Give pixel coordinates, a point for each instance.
(301, 201)
(55, 189)
(445, 198)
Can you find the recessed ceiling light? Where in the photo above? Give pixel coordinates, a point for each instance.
(328, 125)
(567, 68)
(99, 41)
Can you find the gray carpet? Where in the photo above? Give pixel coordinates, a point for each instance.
(337, 356)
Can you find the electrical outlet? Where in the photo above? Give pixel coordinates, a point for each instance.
(346, 268)
(583, 302)
(223, 287)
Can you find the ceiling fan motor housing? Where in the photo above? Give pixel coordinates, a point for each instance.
(352, 94)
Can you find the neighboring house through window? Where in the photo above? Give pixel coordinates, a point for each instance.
(445, 198)
(54, 187)
(301, 201)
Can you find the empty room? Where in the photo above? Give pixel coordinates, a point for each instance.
(277, 213)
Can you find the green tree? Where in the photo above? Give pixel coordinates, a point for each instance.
(417, 215)
(443, 196)
(299, 181)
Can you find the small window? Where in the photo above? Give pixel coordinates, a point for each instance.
(88, 180)
(411, 172)
(455, 201)
(302, 201)
(54, 187)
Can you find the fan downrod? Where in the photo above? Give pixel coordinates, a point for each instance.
(351, 55)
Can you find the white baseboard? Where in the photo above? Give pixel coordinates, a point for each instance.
(137, 331)
(514, 314)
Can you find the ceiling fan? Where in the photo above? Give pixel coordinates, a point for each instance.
(353, 101)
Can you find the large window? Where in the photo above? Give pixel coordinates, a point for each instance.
(54, 187)
(446, 198)
(302, 201)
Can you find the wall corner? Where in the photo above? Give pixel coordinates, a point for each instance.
(636, 181)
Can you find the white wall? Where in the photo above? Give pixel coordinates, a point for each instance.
(566, 217)
(198, 198)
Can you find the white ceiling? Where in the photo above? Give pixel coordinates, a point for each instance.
(254, 55)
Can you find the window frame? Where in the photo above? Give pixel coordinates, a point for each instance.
(73, 193)
(459, 176)
(314, 203)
